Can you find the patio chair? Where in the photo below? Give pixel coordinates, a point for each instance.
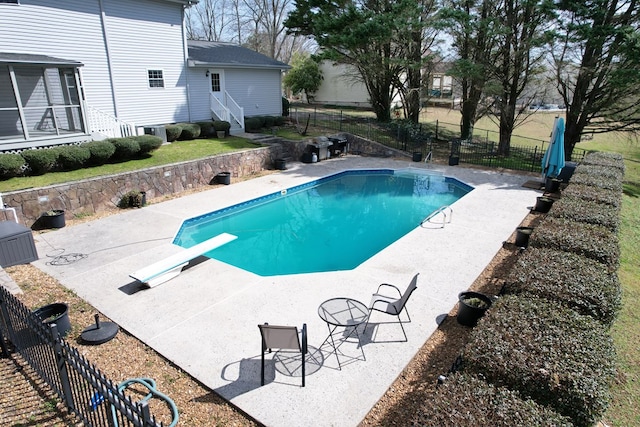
(393, 304)
(283, 337)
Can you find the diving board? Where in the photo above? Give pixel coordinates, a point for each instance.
(168, 268)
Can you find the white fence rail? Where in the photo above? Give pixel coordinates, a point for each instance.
(108, 125)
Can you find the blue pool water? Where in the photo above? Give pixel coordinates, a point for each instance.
(334, 223)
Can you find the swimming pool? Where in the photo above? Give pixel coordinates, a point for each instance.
(333, 223)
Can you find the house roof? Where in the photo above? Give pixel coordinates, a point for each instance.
(28, 58)
(228, 55)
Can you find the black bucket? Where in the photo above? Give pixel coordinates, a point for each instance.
(224, 178)
(468, 315)
(281, 164)
(57, 313)
(522, 236)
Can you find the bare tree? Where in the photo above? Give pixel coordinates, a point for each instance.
(208, 20)
(268, 34)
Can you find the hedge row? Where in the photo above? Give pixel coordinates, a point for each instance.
(574, 281)
(72, 157)
(257, 123)
(546, 337)
(466, 400)
(547, 352)
(189, 131)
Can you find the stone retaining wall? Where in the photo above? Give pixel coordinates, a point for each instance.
(98, 194)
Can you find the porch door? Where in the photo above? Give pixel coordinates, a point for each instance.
(72, 100)
(217, 85)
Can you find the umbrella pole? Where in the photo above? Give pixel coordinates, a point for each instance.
(552, 141)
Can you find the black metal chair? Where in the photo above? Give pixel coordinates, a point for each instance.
(283, 337)
(395, 304)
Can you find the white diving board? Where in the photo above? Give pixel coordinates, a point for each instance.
(168, 268)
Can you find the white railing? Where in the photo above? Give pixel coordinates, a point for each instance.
(108, 125)
(229, 111)
(236, 111)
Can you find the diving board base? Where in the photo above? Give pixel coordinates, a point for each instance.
(172, 266)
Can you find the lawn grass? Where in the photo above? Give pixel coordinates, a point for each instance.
(169, 153)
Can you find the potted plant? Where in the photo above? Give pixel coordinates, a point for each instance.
(221, 127)
(552, 184)
(223, 178)
(57, 313)
(53, 218)
(522, 236)
(471, 307)
(133, 199)
(543, 204)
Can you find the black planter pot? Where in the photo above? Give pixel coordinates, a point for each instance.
(543, 204)
(224, 178)
(417, 156)
(469, 314)
(57, 313)
(53, 219)
(281, 164)
(454, 160)
(552, 185)
(522, 236)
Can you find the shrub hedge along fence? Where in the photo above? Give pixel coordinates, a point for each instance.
(542, 354)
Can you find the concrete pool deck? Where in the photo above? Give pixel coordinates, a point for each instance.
(205, 320)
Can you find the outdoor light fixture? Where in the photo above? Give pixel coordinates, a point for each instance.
(207, 74)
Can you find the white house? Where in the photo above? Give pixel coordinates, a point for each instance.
(70, 69)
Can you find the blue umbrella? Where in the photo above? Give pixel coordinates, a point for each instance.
(553, 159)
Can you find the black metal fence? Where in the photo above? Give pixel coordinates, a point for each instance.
(85, 391)
(428, 139)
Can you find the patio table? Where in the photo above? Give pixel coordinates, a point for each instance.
(344, 313)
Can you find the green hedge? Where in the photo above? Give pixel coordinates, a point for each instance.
(189, 131)
(286, 105)
(593, 194)
(610, 160)
(206, 129)
(572, 280)
(72, 157)
(593, 241)
(11, 165)
(552, 354)
(252, 124)
(466, 400)
(608, 183)
(147, 143)
(588, 212)
(101, 152)
(600, 171)
(126, 148)
(40, 161)
(173, 132)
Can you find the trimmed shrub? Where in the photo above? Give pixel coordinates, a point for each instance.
(589, 212)
(593, 241)
(147, 143)
(600, 170)
(574, 281)
(126, 148)
(173, 132)
(189, 131)
(285, 107)
(279, 120)
(101, 152)
(466, 400)
(206, 129)
(588, 179)
(40, 161)
(252, 124)
(269, 121)
(593, 194)
(72, 157)
(11, 165)
(612, 160)
(131, 199)
(554, 355)
(221, 126)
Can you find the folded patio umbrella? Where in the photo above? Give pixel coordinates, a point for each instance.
(553, 159)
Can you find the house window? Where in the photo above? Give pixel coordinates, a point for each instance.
(156, 78)
(215, 82)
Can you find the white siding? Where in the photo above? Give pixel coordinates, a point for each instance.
(199, 90)
(258, 91)
(339, 87)
(67, 29)
(142, 34)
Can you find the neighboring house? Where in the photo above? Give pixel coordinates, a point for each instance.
(341, 85)
(73, 69)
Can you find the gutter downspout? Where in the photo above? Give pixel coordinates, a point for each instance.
(185, 52)
(107, 52)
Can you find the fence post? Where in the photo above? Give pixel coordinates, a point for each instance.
(340, 121)
(4, 317)
(62, 368)
(533, 161)
(437, 129)
(315, 116)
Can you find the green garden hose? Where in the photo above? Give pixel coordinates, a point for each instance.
(151, 385)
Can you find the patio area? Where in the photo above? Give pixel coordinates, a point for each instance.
(205, 320)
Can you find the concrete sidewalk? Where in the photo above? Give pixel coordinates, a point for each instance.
(205, 320)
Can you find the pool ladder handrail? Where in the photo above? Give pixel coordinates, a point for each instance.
(441, 210)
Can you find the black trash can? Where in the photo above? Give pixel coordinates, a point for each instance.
(224, 178)
(281, 164)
